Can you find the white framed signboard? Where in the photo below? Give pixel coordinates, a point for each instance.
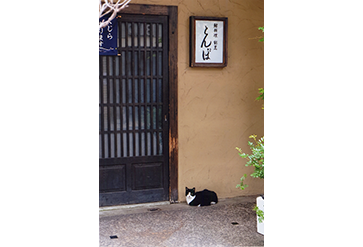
(208, 41)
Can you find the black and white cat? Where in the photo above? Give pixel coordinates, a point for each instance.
(200, 198)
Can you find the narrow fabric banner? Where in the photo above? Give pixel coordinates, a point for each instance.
(108, 37)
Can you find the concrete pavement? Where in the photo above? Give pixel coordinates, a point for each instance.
(231, 222)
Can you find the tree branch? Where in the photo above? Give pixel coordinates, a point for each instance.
(107, 7)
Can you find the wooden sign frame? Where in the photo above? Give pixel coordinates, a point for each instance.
(208, 41)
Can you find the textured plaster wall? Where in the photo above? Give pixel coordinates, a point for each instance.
(217, 107)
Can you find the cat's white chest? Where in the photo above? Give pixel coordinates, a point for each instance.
(190, 198)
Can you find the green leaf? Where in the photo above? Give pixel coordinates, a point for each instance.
(260, 214)
(263, 30)
(256, 159)
(261, 91)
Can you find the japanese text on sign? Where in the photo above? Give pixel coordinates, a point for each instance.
(108, 38)
(209, 42)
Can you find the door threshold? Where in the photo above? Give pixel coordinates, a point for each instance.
(129, 206)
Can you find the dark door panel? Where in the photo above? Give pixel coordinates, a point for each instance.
(133, 109)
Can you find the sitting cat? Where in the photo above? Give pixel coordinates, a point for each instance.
(200, 198)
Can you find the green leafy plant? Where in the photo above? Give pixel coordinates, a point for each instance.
(261, 96)
(260, 214)
(262, 29)
(256, 159)
(261, 91)
(242, 186)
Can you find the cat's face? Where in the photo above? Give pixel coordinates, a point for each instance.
(191, 191)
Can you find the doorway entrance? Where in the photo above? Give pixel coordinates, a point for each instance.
(135, 161)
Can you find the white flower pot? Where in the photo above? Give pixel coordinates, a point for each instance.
(260, 205)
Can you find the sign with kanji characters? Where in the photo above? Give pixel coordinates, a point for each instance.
(208, 40)
(108, 38)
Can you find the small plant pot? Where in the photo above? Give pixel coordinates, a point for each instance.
(260, 204)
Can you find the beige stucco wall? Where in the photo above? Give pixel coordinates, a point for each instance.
(216, 106)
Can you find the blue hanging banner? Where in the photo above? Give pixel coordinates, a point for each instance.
(108, 37)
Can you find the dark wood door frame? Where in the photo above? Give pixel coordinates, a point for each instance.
(172, 13)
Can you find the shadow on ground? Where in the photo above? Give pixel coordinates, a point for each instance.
(231, 222)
